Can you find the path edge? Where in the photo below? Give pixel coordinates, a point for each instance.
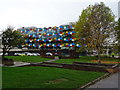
(94, 81)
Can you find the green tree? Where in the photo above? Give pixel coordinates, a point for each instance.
(71, 23)
(117, 31)
(94, 27)
(10, 38)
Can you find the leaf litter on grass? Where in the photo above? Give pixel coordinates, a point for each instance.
(57, 81)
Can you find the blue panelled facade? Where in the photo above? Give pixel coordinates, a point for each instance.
(55, 38)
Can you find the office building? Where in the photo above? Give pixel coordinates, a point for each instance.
(118, 9)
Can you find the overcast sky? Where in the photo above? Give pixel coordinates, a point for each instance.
(45, 13)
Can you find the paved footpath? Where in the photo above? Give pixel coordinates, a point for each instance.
(109, 82)
(56, 58)
(17, 64)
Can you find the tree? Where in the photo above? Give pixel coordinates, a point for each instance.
(71, 23)
(10, 38)
(117, 32)
(94, 27)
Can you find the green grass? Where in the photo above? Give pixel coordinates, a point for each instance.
(109, 55)
(28, 58)
(81, 59)
(86, 59)
(45, 77)
(110, 59)
(69, 61)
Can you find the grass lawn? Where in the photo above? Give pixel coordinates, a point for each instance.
(45, 77)
(85, 59)
(28, 58)
(81, 59)
(110, 59)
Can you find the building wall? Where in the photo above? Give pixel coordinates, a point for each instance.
(119, 9)
(49, 38)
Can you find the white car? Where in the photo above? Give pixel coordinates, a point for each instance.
(6, 53)
(34, 54)
(49, 54)
(2, 54)
(17, 54)
(38, 54)
(29, 54)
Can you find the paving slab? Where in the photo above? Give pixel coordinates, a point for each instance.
(52, 60)
(110, 82)
(16, 64)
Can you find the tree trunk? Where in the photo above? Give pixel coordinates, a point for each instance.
(3, 56)
(99, 58)
(98, 55)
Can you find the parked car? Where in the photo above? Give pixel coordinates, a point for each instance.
(2, 54)
(22, 54)
(38, 54)
(29, 54)
(34, 54)
(49, 54)
(25, 53)
(17, 54)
